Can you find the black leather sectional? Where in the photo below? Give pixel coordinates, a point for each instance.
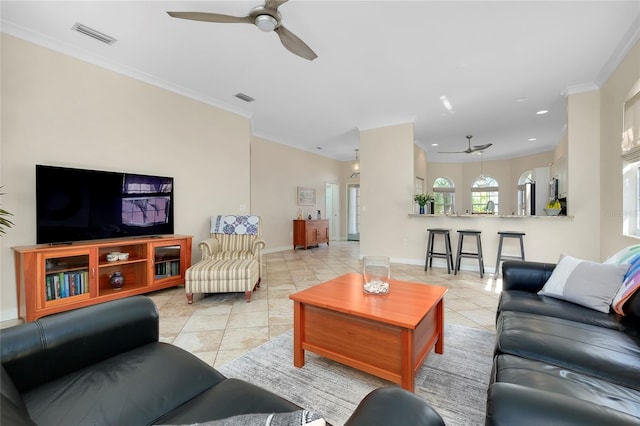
(104, 365)
(557, 363)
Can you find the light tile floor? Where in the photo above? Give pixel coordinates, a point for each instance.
(220, 327)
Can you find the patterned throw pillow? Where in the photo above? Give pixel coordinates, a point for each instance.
(630, 256)
(295, 418)
(585, 283)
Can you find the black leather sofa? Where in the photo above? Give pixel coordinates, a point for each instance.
(558, 363)
(104, 365)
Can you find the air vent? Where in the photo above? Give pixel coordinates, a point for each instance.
(93, 33)
(244, 97)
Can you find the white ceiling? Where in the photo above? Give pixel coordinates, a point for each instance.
(379, 63)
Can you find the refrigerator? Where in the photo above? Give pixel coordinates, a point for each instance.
(529, 199)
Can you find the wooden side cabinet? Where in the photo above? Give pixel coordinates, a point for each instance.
(57, 278)
(310, 232)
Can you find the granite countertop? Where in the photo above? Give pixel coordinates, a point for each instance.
(491, 216)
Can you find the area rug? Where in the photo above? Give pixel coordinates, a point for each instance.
(454, 383)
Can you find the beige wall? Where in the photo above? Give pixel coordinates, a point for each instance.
(612, 96)
(386, 189)
(584, 171)
(420, 165)
(276, 172)
(57, 110)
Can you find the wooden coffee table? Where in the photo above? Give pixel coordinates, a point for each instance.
(388, 336)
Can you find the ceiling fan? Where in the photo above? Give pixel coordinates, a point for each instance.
(470, 149)
(265, 17)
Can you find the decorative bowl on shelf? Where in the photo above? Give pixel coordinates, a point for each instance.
(123, 256)
(552, 212)
(113, 256)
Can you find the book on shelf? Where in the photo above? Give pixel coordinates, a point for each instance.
(66, 284)
(167, 269)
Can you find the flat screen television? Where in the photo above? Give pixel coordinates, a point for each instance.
(77, 204)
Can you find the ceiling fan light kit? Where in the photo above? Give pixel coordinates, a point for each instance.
(265, 17)
(266, 23)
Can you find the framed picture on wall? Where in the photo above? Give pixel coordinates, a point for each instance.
(306, 196)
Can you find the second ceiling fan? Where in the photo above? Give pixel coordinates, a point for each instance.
(470, 149)
(265, 17)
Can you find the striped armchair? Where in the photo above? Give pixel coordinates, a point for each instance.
(226, 244)
(231, 258)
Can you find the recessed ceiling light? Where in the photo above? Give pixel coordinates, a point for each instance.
(522, 99)
(542, 111)
(318, 147)
(532, 139)
(434, 144)
(447, 104)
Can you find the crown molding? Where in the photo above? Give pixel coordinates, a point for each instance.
(374, 124)
(579, 88)
(77, 53)
(630, 38)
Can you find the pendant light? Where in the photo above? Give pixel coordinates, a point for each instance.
(355, 167)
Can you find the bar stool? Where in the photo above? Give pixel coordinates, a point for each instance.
(447, 254)
(508, 234)
(477, 255)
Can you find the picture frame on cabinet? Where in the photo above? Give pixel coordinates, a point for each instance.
(306, 196)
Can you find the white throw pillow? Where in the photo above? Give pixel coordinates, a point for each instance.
(585, 283)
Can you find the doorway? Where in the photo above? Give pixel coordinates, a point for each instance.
(332, 209)
(353, 212)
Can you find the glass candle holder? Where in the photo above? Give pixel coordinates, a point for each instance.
(377, 273)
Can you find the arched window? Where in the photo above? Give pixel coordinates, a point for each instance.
(525, 177)
(444, 192)
(484, 195)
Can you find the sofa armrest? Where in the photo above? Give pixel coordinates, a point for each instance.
(525, 276)
(209, 247)
(38, 352)
(512, 404)
(13, 411)
(394, 406)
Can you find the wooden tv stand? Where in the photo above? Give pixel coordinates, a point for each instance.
(52, 278)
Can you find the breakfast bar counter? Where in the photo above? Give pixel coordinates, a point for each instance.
(545, 237)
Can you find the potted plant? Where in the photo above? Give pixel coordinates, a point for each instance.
(423, 199)
(4, 221)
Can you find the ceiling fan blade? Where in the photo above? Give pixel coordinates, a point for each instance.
(469, 150)
(481, 147)
(274, 4)
(294, 45)
(211, 17)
